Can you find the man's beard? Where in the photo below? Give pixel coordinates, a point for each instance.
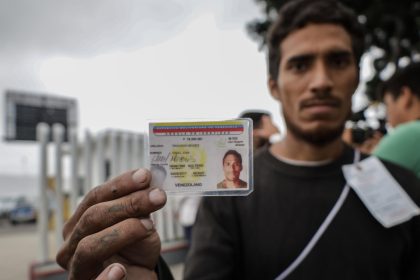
(319, 137)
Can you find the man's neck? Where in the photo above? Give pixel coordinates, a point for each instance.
(298, 149)
(413, 113)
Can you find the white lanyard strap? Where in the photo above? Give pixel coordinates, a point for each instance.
(308, 248)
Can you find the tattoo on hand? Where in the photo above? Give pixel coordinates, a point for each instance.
(109, 237)
(116, 208)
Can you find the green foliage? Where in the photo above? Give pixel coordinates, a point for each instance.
(392, 26)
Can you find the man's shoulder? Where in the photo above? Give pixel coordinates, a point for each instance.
(401, 145)
(410, 129)
(411, 126)
(221, 185)
(396, 168)
(405, 177)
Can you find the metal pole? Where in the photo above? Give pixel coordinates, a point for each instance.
(125, 151)
(114, 153)
(42, 132)
(169, 221)
(137, 147)
(134, 147)
(74, 180)
(58, 135)
(144, 150)
(160, 224)
(100, 158)
(179, 231)
(88, 162)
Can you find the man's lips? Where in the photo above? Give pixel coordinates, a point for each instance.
(320, 106)
(321, 103)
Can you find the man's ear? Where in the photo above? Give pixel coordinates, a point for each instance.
(274, 89)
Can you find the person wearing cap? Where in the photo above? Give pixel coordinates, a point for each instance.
(264, 131)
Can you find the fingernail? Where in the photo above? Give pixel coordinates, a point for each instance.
(157, 197)
(140, 176)
(116, 273)
(147, 223)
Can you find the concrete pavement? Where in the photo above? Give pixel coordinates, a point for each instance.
(19, 249)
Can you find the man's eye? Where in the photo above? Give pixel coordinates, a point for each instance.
(340, 62)
(299, 66)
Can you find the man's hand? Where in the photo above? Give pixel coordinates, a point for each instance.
(111, 226)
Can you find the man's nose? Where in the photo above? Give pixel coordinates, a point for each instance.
(321, 82)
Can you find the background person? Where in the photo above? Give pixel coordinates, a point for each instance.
(401, 94)
(314, 52)
(187, 211)
(265, 132)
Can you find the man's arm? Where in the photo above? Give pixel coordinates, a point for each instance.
(410, 269)
(111, 232)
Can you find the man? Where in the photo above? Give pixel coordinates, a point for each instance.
(401, 94)
(314, 50)
(264, 131)
(232, 167)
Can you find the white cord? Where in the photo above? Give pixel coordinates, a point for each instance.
(320, 230)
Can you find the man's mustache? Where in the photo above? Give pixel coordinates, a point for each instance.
(330, 101)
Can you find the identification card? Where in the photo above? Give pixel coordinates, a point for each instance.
(380, 192)
(202, 157)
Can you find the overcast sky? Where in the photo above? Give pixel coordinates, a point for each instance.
(128, 61)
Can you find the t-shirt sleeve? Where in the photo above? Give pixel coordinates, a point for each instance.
(212, 252)
(401, 147)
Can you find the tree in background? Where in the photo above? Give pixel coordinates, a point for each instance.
(392, 31)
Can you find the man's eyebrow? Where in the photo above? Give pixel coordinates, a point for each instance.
(310, 56)
(300, 58)
(340, 53)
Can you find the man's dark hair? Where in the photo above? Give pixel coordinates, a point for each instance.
(297, 14)
(408, 76)
(255, 116)
(234, 153)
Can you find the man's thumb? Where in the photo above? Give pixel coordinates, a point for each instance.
(114, 271)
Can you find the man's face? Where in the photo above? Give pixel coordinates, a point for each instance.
(317, 77)
(232, 168)
(395, 109)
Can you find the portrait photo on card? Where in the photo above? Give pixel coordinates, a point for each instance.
(232, 168)
(202, 157)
